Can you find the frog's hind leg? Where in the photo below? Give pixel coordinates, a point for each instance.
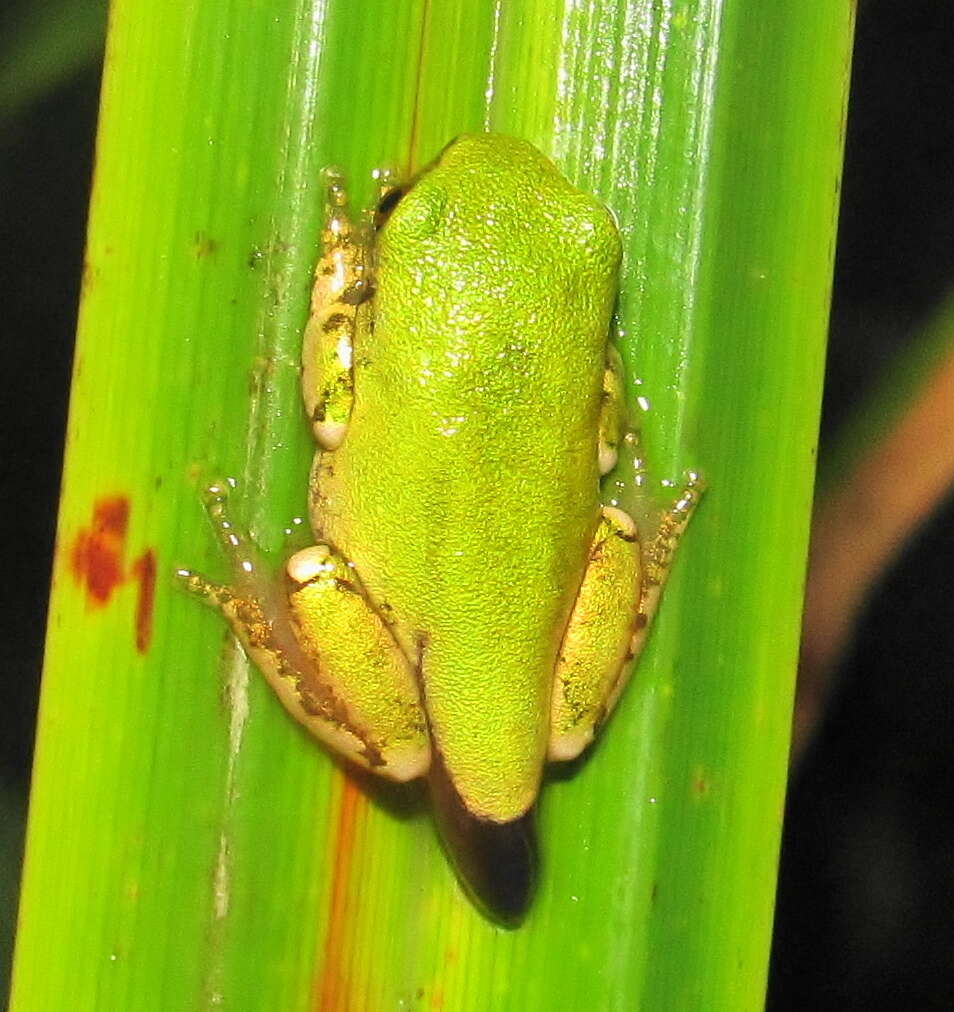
(598, 636)
(325, 650)
(607, 629)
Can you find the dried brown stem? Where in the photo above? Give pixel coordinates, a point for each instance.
(860, 526)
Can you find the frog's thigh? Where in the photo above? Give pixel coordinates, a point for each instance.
(365, 697)
(596, 645)
(607, 629)
(335, 665)
(338, 309)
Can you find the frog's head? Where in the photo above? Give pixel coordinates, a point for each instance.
(500, 195)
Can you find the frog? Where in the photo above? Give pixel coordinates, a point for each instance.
(475, 596)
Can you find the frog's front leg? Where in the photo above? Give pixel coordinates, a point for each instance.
(608, 625)
(340, 309)
(326, 652)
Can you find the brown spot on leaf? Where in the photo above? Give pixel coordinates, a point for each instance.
(144, 571)
(97, 561)
(204, 245)
(96, 555)
(700, 783)
(88, 276)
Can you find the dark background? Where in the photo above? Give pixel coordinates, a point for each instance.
(866, 899)
(865, 912)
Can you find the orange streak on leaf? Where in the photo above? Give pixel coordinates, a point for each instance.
(332, 991)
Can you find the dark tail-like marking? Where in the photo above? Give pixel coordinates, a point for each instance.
(496, 862)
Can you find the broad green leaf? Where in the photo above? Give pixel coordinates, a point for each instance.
(188, 846)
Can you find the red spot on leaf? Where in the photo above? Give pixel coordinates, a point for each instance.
(144, 570)
(96, 557)
(97, 560)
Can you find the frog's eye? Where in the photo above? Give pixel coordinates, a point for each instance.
(387, 204)
(418, 215)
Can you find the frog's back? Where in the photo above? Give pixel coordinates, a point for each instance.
(466, 489)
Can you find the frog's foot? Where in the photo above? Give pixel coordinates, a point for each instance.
(325, 651)
(608, 626)
(658, 553)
